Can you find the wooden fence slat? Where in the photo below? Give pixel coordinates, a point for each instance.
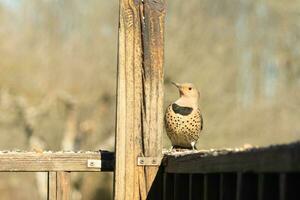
(175, 186)
(249, 189)
(292, 186)
(212, 186)
(205, 187)
(197, 187)
(63, 186)
(229, 186)
(270, 188)
(261, 178)
(190, 186)
(282, 186)
(181, 186)
(221, 187)
(239, 185)
(139, 119)
(165, 186)
(52, 185)
(168, 184)
(39, 162)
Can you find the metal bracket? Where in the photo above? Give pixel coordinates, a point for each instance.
(94, 164)
(149, 161)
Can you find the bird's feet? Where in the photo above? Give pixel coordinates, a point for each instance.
(193, 144)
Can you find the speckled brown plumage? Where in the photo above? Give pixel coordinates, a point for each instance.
(183, 118)
(183, 130)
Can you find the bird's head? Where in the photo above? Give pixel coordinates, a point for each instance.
(187, 90)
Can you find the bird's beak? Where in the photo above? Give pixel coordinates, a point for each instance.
(179, 88)
(176, 84)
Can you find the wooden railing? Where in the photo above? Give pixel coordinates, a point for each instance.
(271, 173)
(241, 174)
(58, 165)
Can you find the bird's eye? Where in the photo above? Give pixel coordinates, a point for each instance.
(190, 88)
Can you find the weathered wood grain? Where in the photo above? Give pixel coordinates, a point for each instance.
(59, 185)
(47, 161)
(52, 186)
(280, 158)
(128, 100)
(63, 185)
(139, 120)
(152, 81)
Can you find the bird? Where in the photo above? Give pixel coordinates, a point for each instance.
(183, 118)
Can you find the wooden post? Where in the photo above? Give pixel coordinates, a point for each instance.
(139, 120)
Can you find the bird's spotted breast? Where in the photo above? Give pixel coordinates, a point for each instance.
(181, 110)
(183, 129)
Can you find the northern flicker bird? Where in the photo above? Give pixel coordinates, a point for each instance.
(183, 119)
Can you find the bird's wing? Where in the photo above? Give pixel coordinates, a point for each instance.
(201, 121)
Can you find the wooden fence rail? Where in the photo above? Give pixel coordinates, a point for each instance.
(254, 174)
(47, 161)
(58, 165)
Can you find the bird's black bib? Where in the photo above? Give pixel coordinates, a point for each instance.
(181, 110)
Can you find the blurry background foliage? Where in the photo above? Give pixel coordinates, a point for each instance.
(58, 76)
